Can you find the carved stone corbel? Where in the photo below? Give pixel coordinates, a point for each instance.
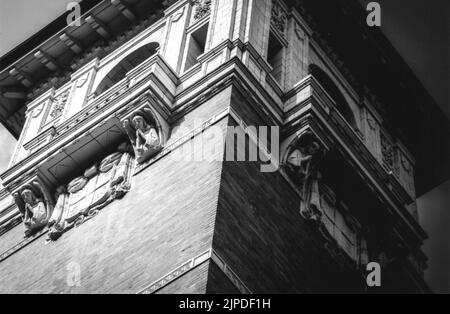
(35, 205)
(303, 158)
(145, 134)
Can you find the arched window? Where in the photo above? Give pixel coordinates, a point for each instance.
(331, 88)
(128, 63)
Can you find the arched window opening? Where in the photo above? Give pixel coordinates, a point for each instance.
(331, 88)
(127, 64)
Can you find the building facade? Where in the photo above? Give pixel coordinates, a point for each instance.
(132, 172)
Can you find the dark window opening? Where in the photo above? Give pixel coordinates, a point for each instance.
(197, 46)
(331, 88)
(127, 64)
(275, 57)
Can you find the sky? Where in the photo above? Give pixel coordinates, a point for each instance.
(418, 29)
(24, 17)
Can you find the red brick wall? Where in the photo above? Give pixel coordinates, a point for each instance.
(262, 237)
(218, 282)
(260, 234)
(166, 219)
(193, 282)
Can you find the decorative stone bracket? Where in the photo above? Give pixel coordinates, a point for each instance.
(147, 132)
(35, 204)
(303, 158)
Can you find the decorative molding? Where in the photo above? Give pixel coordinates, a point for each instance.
(81, 81)
(300, 33)
(98, 107)
(37, 111)
(16, 248)
(177, 273)
(177, 16)
(210, 255)
(232, 276)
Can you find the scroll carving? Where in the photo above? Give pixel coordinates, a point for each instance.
(145, 134)
(303, 159)
(86, 195)
(35, 205)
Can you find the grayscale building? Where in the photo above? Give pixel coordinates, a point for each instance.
(135, 169)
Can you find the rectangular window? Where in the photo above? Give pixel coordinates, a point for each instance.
(197, 45)
(275, 57)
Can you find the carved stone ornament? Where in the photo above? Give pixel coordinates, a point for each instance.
(177, 16)
(300, 33)
(145, 134)
(387, 152)
(82, 80)
(372, 124)
(58, 105)
(201, 8)
(406, 165)
(303, 159)
(37, 112)
(86, 195)
(35, 205)
(279, 17)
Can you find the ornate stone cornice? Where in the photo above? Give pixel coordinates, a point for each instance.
(91, 115)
